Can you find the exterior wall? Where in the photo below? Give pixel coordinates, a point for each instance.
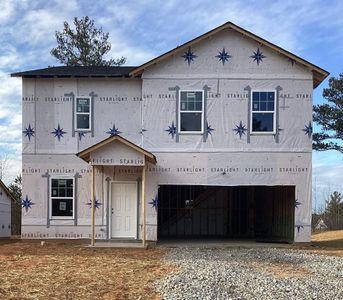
(234, 169)
(36, 220)
(227, 97)
(241, 65)
(48, 103)
(224, 113)
(181, 168)
(268, 159)
(5, 214)
(220, 158)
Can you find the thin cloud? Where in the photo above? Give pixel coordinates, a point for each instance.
(7, 8)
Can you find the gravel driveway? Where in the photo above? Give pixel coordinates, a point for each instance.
(260, 273)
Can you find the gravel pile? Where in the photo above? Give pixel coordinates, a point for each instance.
(260, 273)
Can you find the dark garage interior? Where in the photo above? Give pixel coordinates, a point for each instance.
(260, 213)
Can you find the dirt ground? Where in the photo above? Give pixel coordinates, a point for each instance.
(66, 270)
(328, 242)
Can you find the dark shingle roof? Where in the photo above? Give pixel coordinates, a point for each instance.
(79, 71)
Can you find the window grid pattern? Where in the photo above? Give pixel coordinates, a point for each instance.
(83, 113)
(62, 197)
(263, 101)
(191, 111)
(263, 112)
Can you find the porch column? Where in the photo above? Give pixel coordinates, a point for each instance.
(143, 206)
(93, 207)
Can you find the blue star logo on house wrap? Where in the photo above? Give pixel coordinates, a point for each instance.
(223, 56)
(81, 135)
(258, 56)
(143, 130)
(29, 132)
(308, 129)
(58, 132)
(154, 202)
(171, 130)
(97, 204)
(297, 203)
(113, 131)
(208, 130)
(27, 203)
(299, 227)
(189, 56)
(240, 129)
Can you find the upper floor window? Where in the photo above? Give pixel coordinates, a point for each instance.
(62, 198)
(83, 113)
(263, 112)
(191, 112)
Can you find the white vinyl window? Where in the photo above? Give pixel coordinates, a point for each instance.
(263, 112)
(191, 112)
(62, 198)
(83, 113)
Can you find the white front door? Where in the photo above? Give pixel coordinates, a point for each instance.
(124, 210)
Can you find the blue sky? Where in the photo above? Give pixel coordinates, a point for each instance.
(141, 30)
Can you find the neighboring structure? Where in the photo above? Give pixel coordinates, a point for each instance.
(212, 138)
(321, 225)
(5, 211)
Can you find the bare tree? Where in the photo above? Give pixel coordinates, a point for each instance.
(4, 164)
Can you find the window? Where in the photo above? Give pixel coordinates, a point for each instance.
(263, 112)
(191, 112)
(83, 113)
(62, 198)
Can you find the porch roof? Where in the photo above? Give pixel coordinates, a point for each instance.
(86, 154)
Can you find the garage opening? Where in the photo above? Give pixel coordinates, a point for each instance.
(262, 213)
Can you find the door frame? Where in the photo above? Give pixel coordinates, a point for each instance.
(110, 208)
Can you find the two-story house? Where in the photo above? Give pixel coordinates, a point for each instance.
(212, 138)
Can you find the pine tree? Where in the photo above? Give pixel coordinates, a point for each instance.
(16, 189)
(85, 45)
(330, 117)
(334, 211)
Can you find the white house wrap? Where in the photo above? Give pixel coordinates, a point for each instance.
(6, 199)
(222, 126)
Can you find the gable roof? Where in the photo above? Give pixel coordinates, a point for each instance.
(5, 188)
(319, 74)
(85, 154)
(77, 71)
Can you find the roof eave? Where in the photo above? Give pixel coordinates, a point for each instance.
(68, 76)
(77, 71)
(318, 78)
